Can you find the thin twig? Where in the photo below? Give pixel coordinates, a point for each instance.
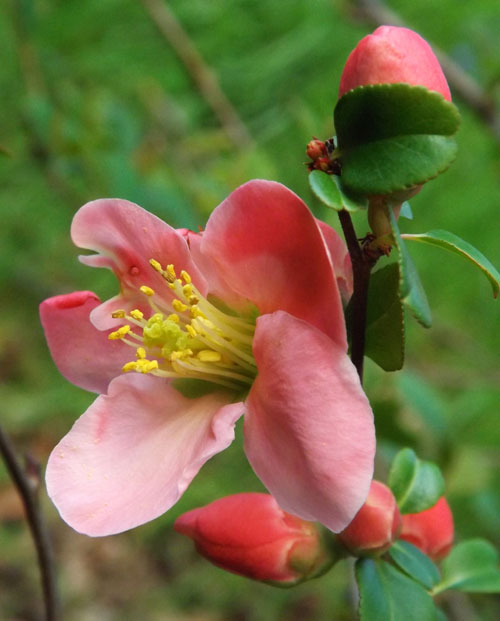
(376, 14)
(361, 269)
(203, 76)
(29, 497)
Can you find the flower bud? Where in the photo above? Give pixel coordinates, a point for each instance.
(389, 55)
(376, 524)
(316, 149)
(248, 534)
(431, 530)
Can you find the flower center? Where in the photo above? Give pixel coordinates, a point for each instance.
(188, 337)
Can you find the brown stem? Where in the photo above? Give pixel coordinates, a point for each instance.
(29, 497)
(361, 268)
(203, 76)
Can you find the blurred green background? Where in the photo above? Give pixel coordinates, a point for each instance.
(95, 102)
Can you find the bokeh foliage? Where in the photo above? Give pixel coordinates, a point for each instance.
(95, 102)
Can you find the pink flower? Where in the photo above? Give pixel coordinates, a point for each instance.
(391, 55)
(376, 524)
(248, 534)
(252, 308)
(431, 531)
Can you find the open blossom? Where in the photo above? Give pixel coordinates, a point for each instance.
(250, 535)
(245, 318)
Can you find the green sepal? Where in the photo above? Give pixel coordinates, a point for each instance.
(453, 243)
(330, 191)
(471, 566)
(415, 563)
(385, 332)
(417, 484)
(387, 594)
(392, 137)
(411, 290)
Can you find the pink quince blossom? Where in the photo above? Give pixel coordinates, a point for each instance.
(252, 307)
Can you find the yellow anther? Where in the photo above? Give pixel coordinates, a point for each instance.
(140, 353)
(119, 334)
(208, 355)
(118, 314)
(195, 311)
(171, 285)
(186, 277)
(179, 306)
(187, 290)
(156, 265)
(180, 354)
(130, 366)
(173, 317)
(147, 290)
(193, 299)
(169, 273)
(136, 314)
(191, 330)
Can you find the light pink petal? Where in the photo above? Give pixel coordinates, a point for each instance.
(84, 355)
(309, 432)
(268, 248)
(340, 259)
(126, 238)
(216, 284)
(132, 454)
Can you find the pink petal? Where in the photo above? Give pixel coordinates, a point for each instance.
(340, 259)
(84, 355)
(126, 238)
(132, 454)
(309, 431)
(269, 249)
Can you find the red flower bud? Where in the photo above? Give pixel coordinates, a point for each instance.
(376, 524)
(391, 55)
(316, 149)
(248, 534)
(431, 530)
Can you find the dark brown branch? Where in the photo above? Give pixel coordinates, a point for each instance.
(361, 269)
(28, 492)
(203, 76)
(375, 13)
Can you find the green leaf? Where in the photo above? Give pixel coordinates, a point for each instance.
(471, 566)
(386, 594)
(393, 136)
(449, 241)
(396, 164)
(425, 401)
(385, 320)
(379, 111)
(406, 211)
(416, 484)
(329, 190)
(415, 563)
(410, 288)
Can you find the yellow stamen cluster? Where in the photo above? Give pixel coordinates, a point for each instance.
(186, 336)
